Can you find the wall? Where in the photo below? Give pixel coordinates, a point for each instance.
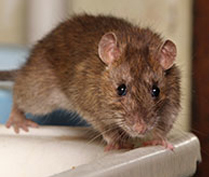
(171, 18)
(12, 22)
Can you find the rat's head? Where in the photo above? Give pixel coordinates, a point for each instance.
(141, 83)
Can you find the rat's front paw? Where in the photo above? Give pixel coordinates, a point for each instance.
(162, 142)
(112, 146)
(23, 124)
(114, 142)
(18, 121)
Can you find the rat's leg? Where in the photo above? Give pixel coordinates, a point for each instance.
(115, 141)
(18, 120)
(111, 144)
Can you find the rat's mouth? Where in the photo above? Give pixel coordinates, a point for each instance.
(132, 132)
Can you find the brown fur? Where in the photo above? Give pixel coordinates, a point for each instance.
(64, 71)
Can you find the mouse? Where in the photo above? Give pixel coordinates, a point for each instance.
(121, 78)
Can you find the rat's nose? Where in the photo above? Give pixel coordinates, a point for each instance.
(140, 127)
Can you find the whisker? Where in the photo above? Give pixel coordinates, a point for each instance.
(101, 134)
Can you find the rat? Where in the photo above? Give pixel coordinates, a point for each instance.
(121, 78)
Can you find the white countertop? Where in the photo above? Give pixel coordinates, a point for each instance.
(68, 151)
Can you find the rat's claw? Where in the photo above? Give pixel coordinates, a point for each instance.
(8, 124)
(170, 146)
(32, 124)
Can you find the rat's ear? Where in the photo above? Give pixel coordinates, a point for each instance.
(167, 54)
(108, 49)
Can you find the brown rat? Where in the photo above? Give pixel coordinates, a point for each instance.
(119, 77)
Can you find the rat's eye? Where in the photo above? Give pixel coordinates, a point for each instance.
(155, 91)
(121, 90)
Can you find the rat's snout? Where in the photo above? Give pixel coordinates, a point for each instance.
(140, 128)
(139, 125)
(136, 126)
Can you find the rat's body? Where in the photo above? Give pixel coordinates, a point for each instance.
(108, 71)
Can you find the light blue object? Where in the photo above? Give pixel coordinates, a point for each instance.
(5, 105)
(12, 57)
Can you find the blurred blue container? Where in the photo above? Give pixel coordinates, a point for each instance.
(5, 105)
(11, 58)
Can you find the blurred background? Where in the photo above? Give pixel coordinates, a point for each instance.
(23, 22)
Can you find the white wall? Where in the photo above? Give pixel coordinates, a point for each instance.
(12, 22)
(42, 16)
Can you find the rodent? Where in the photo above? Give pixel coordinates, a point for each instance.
(119, 77)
